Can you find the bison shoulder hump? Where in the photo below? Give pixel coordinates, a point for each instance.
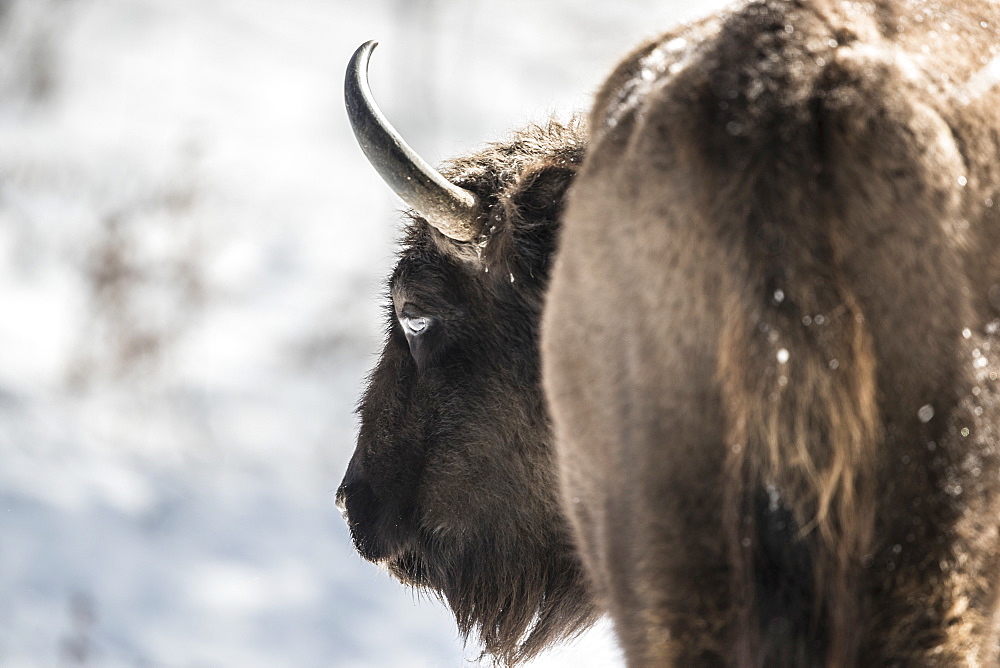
(753, 89)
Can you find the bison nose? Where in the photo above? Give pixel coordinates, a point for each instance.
(342, 501)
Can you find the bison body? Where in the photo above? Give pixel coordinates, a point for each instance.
(768, 351)
(769, 342)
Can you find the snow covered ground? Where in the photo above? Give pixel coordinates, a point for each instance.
(191, 254)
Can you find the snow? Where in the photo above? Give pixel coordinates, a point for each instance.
(191, 257)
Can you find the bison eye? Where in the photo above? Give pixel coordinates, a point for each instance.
(414, 325)
(413, 320)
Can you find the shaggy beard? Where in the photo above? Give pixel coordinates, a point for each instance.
(516, 602)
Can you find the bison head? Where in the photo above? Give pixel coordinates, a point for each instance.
(452, 485)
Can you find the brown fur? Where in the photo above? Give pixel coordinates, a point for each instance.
(452, 485)
(776, 445)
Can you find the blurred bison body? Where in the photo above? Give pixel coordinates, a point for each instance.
(452, 484)
(769, 343)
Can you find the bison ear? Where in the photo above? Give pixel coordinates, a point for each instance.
(533, 209)
(528, 213)
(540, 193)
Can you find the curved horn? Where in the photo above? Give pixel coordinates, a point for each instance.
(454, 211)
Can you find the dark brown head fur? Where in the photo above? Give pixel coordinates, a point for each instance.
(452, 484)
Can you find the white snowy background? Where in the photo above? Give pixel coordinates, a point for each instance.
(192, 251)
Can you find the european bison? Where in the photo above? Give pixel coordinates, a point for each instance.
(769, 340)
(452, 485)
(766, 351)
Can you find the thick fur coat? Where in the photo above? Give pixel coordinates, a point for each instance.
(769, 345)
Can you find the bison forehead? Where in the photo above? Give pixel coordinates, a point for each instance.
(432, 281)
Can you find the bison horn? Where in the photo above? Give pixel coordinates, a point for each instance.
(454, 211)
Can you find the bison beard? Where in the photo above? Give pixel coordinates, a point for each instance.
(766, 350)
